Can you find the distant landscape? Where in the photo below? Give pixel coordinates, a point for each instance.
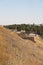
(27, 28)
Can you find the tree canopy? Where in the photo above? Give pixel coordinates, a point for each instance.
(37, 29)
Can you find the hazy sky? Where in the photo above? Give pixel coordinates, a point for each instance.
(21, 11)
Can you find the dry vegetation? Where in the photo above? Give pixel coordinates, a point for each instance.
(17, 51)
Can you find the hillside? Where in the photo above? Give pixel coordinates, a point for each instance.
(16, 51)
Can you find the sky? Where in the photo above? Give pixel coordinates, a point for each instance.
(21, 12)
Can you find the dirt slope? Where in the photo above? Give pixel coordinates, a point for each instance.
(16, 51)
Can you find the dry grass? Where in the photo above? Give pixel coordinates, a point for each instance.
(16, 51)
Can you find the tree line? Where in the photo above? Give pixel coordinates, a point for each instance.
(29, 28)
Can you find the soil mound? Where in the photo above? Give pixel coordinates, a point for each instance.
(16, 51)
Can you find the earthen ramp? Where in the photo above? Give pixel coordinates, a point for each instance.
(15, 51)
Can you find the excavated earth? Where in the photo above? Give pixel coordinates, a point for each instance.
(16, 51)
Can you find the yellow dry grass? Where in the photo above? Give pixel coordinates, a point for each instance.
(16, 51)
